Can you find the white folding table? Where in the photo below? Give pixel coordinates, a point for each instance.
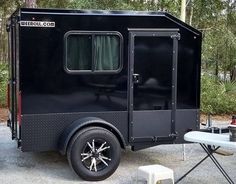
(206, 140)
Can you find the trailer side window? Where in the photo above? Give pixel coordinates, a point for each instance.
(93, 52)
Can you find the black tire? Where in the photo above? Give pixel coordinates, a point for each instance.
(79, 148)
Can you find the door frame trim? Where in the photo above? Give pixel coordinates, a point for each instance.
(136, 32)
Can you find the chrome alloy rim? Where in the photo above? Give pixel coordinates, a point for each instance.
(96, 155)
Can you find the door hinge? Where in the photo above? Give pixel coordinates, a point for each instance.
(174, 135)
(176, 36)
(8, 27)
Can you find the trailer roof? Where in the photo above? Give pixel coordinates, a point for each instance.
(109, 13)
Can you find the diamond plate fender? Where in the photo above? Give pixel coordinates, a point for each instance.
(79, 124)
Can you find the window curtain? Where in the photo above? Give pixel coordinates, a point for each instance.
(79, 49)
(107, 53)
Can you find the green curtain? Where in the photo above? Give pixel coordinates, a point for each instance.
(79, 49)
(107, 53)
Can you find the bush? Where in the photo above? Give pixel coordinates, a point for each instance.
(217, 97)
(3, 84)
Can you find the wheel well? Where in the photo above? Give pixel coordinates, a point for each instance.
(71, 131)
(109, 128)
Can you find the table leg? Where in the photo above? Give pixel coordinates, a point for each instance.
(177, 181)
(210, 154)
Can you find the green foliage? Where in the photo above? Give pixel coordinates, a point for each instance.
(206, 13)
(217, 97)
(229, 86)
(219, 37)
(53, 3)
(220, 45)
(167, 5)
(3, 84)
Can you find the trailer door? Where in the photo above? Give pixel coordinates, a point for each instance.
(153, 84)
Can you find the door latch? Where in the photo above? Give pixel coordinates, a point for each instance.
(136, 78)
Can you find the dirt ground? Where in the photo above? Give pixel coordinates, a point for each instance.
(3, 115)
(226, 118)
(17, 167)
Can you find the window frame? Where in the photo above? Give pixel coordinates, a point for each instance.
(93, 34)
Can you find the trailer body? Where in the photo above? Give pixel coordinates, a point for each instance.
(136, 74)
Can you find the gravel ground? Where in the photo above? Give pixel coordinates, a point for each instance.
(50, 167)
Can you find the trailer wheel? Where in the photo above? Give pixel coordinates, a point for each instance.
(94, 153)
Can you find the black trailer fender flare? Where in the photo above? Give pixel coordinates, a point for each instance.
(81, 123)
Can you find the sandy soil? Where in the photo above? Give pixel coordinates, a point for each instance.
(226, 118)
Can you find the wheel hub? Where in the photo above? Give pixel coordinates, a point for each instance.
(95, 155)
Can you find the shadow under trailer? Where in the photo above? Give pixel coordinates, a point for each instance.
(88, 83)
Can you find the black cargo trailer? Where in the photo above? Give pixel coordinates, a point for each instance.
(87, 83)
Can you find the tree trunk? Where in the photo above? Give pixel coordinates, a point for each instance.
(217, 66)
(191, 16)
(233, 74)
(183, 10)
(225, 73)
(30, 3)
(1, 38)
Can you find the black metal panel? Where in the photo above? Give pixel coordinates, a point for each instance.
(188, 90)
(41, 132)
(55, 91)
(151, 123)
(186, 120)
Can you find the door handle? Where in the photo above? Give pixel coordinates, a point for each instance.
(136, 78)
